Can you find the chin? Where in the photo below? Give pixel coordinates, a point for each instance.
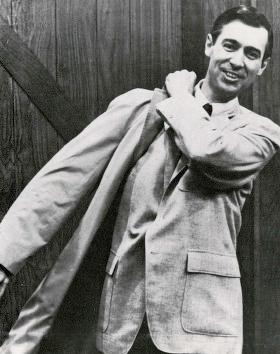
(229, 90)
(226, 94)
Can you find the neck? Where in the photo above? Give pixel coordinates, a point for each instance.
(213, 95)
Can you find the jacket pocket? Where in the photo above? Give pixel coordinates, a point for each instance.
(212, 303)
(107, 292)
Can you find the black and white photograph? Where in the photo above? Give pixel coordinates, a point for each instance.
(139, 177)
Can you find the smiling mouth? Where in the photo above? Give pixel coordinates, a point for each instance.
(231, 76)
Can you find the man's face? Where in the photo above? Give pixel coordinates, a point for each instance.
(236, 59)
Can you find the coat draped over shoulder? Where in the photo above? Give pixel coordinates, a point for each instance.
(130, 125)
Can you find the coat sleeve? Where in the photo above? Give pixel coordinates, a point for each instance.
(223, 158)
(55, 191)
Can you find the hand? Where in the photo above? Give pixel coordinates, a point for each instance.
(180, 82)
(4, 280)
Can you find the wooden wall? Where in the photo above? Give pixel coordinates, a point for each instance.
(97, 49)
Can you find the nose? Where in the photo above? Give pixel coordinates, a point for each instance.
(237, 59)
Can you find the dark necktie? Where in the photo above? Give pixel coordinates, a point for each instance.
(172, 156)
(208, 108)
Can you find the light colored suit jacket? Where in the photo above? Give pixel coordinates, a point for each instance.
(193, 296)
(192, 270)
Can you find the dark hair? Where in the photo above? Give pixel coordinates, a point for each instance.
(247, 15)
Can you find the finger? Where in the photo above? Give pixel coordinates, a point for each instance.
(190, 74)
(168, 77)
(173, 74)
(193, 74)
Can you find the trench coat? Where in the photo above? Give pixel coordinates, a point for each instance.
(125, 143)
(113, 158)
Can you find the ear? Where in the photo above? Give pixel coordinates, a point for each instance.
(264, 65)
(208, 45)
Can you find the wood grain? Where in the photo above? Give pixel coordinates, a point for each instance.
(114, 55)
(77, 74)
(267, 246)
(77, 53)
(156, 41)
(35, 141)
(35, 80)
(7, 157)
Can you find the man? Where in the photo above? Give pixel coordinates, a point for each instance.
(172, 279)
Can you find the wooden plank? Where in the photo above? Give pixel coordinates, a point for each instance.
(35, 141)
(113, 38)
(6, 133)
(7, 159)
(193, 36)
(267, 267)
(77, 74)
(156, 41)
(245, 251)
(142, 39)
(21, 63)
(170, 38)
(77, 53)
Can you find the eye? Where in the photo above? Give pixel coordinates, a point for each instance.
(229, 46)
(252, 55)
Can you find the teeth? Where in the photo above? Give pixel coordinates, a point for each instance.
(231, 75)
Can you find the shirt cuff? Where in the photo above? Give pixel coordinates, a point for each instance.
(5, 270)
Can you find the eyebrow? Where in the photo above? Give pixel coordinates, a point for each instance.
(235, 42)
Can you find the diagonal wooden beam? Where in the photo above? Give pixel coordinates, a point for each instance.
(32, 76)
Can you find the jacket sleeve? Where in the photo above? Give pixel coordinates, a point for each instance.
(225, 158)
(56, 190)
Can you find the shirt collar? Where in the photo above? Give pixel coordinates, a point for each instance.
(222, 110)
(228, 109)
